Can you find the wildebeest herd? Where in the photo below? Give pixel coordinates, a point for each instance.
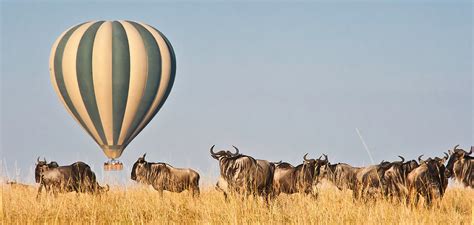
(244, 175)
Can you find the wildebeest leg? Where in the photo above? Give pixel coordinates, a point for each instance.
(159, 187)
(55, 192)
(276, 192)
(38, 195)
(355, 194)
(218, 188)
(272, 195)
(417, 199)
(160, 192)
(195, 191)
(314, 192)
(314, 195)
(267, 199)
(47, 189)
(266, 195)
(429, 198)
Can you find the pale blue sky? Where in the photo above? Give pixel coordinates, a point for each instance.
(276, 80)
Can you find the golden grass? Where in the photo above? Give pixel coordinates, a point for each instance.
(140, 205)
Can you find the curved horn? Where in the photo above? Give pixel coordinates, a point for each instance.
(144, 155)
(470, 152)
(419, 158)
(44, 158)
(446, 156)
(212, 150)
(236, 150)
(403, 159)
(325, 157)
(304, 157)
(455, 147)
(38, 160)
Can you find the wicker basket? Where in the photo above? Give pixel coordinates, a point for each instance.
(113, 166)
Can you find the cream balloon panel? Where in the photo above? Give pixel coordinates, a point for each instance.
(112, 77)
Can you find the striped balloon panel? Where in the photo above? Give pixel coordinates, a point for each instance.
(112, 77)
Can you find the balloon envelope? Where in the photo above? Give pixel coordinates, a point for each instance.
(112, 77)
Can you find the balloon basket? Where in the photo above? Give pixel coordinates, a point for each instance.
(113, 165)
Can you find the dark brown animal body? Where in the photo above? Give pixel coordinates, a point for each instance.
(243, 174)
(342, 175)
(369, 179)
(300, 179)
(395, 178)
(428, 180)
(164, 177)
(76, 177)
(265, 176)
(363, 181)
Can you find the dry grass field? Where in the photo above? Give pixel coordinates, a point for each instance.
(141, 205)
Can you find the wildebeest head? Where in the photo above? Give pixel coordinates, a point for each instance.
(410, 165)
(309, 165)
(41, 166)
(435, 164)
(405, 166)
(223, 153)
(323, 166)
(455, 155)
(436, 161)
(139, 169)
(438, 164)
(314, 164)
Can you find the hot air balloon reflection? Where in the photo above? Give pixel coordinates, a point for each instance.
(112, 77)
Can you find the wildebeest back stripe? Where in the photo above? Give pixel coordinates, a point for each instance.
(120, 76)
(84, 77)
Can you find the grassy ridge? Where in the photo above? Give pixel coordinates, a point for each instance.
(143, 205)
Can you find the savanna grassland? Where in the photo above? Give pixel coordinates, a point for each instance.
(141, 205)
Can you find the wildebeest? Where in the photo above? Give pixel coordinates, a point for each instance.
(300, 179)
(363, 181)
(369, 179)
(266, 175)
(243, 174)
(164, 177)
(428, 180)
(76, 177)
(395, 178)
(461, 166)
(342, 175)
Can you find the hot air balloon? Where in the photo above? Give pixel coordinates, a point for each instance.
(112, 77)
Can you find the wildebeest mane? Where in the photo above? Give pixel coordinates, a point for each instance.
(284, 165)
